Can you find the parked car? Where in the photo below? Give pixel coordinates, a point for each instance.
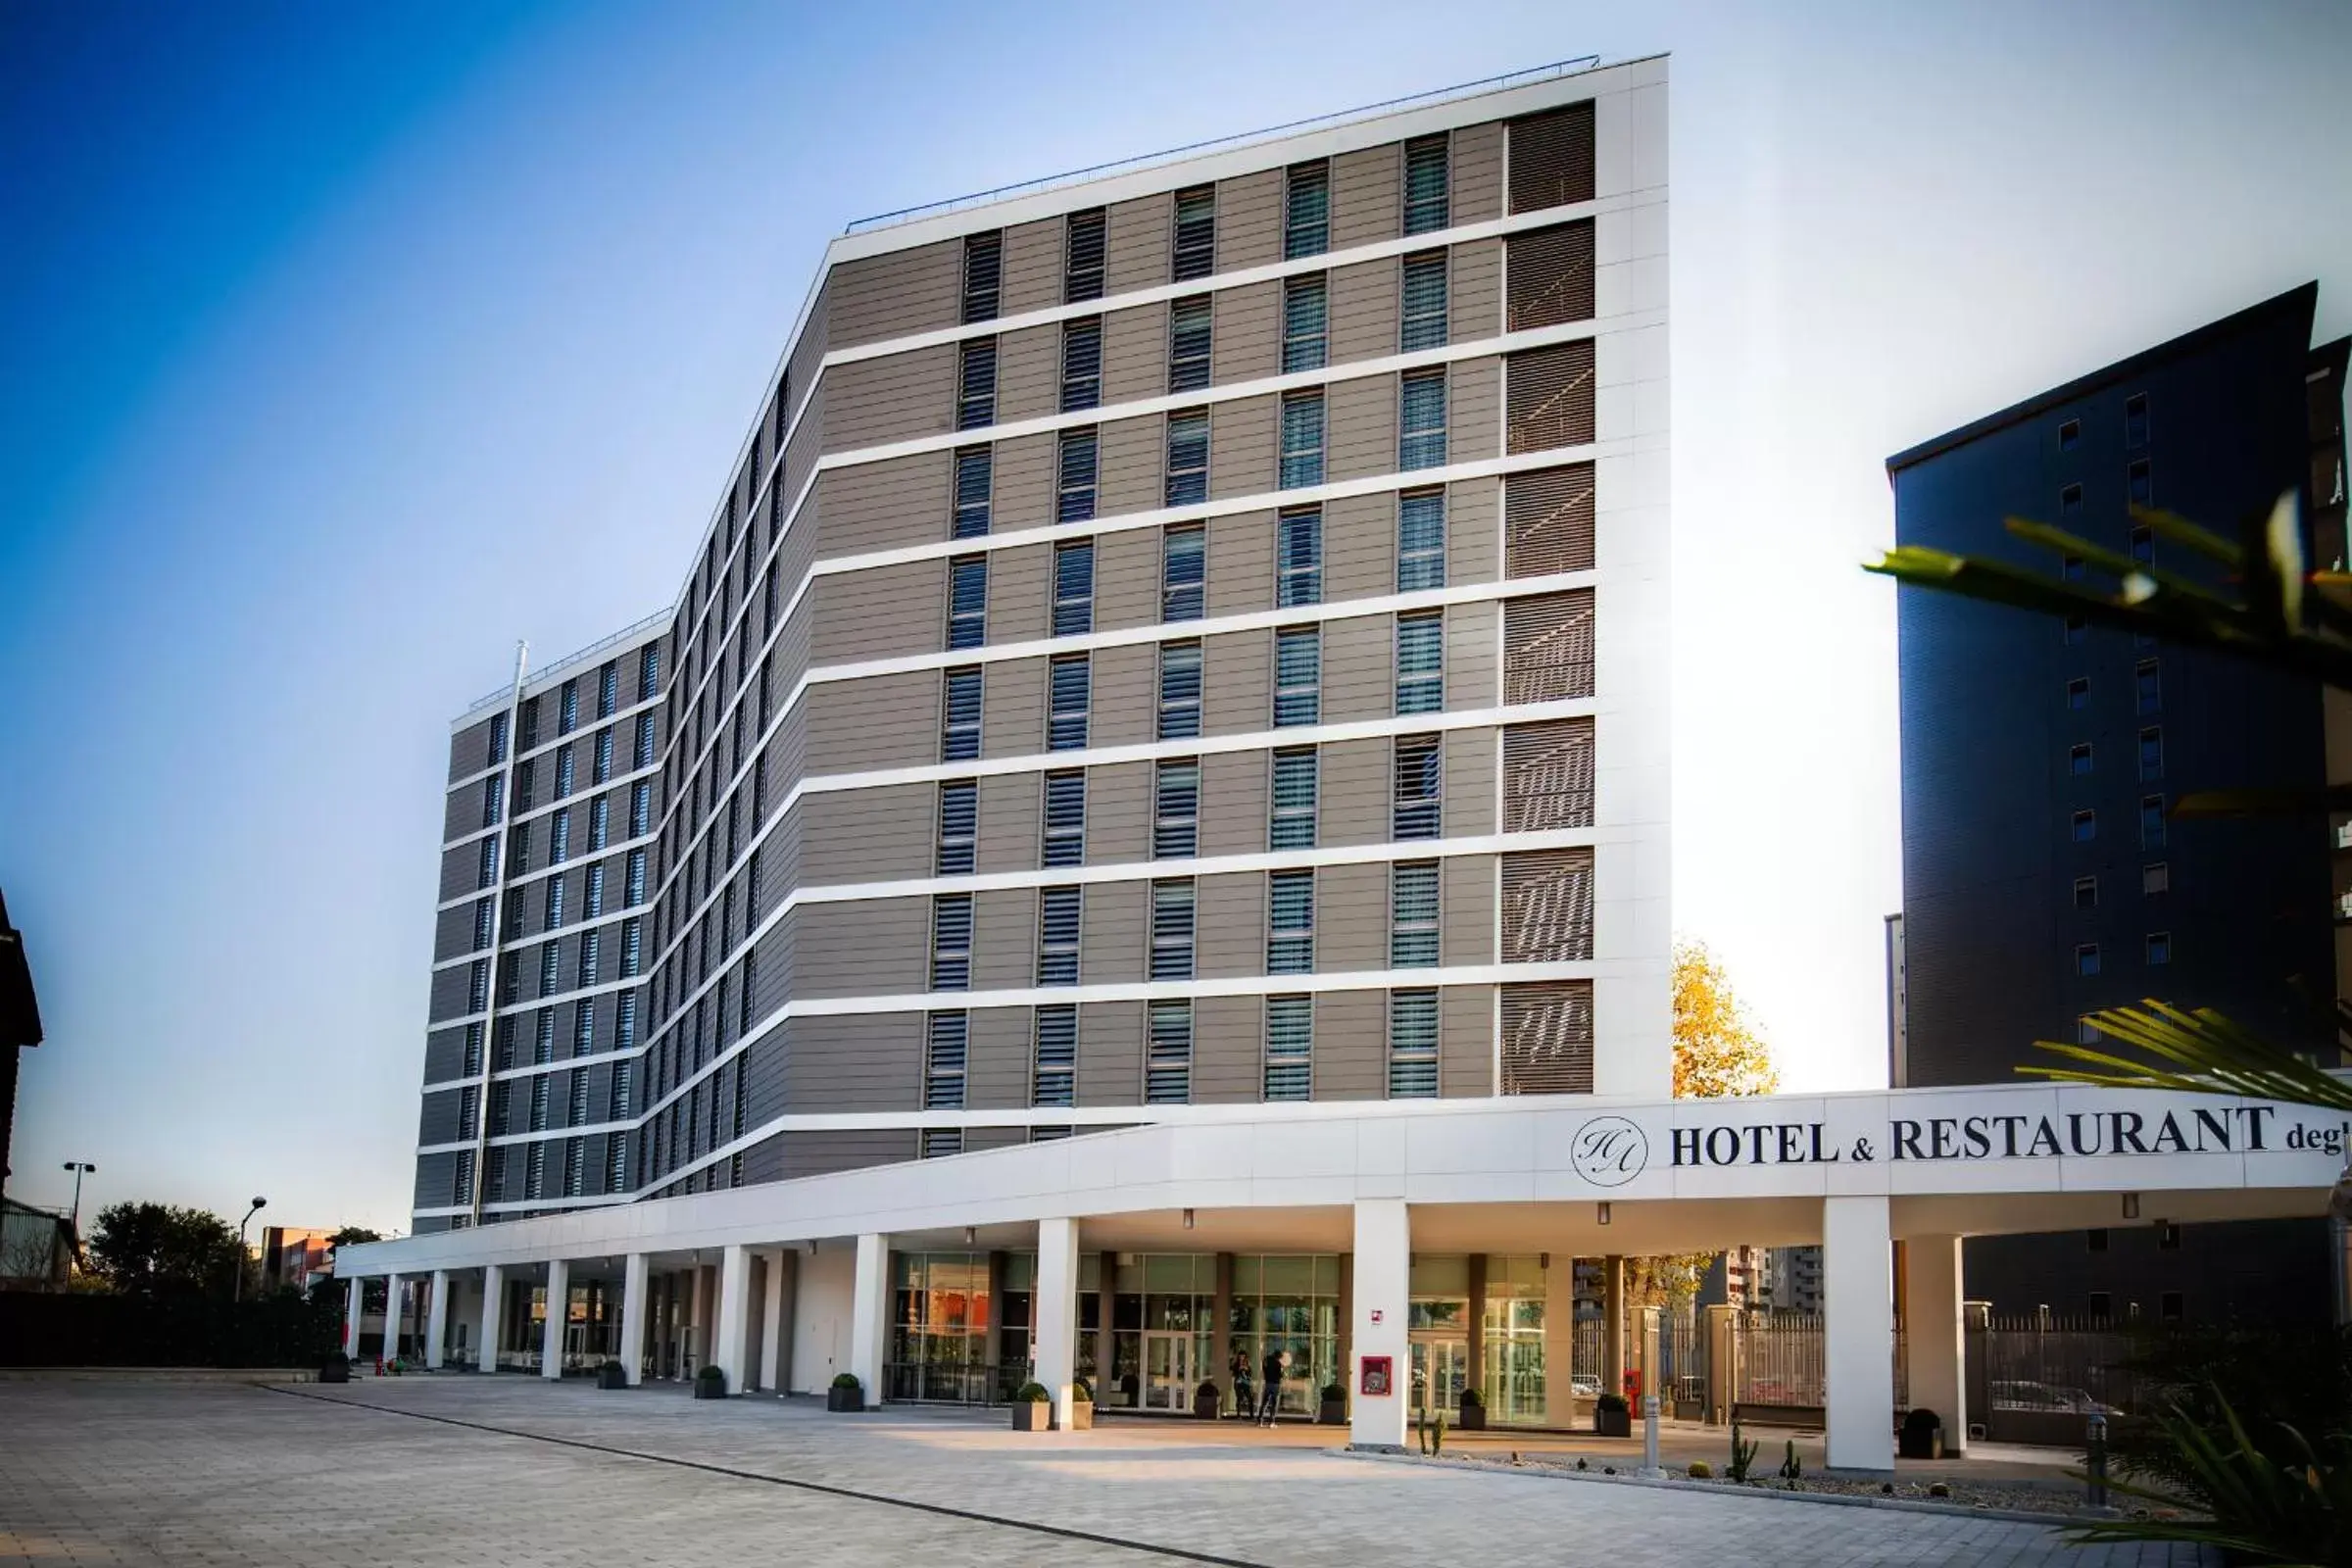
(1585, 1387)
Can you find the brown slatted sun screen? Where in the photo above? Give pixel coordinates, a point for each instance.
(1547, 521)
(1550, 272)
(1547, 775)
(1548, 1038)
(1549, 397)
(1552, 157)
(1547, 647)
(1547, 907)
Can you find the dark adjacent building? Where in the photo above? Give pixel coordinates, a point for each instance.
(2043, 875)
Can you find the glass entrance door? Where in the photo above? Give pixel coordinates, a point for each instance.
(1440, 1371)
(1167, 1372)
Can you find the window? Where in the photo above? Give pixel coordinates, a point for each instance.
(1425, 184)
(1184, 573)
(601, 769)
(2168, 1237)
(1290, 922)
(967, 601)
(2095, 1241)
(494, 798)
(2136, 421)
(1421, 443)
(983, 272)
(1082, 254)
(478, 986)
(1176, 810)
(2070, 568)
(1305, 323)
(1290, 1046)
(2077, 692)
(2144, 545)
(1307, 211)
(2078, 760)
(518, 849)
(487, 873)
(2149, 686)
(530, 723)
(568, 709)
(641, 809)
(1190, 338)
(750, 893)
(2155, 881)
(1420, 541)
(555, 905)
(644, 757)
(2087, 959)
(2151, 756)
(975, 478)
(2151, 822)
(1414, 915)
(2076, 628)
(591, 952)
(1419, 776)
(550, 971)
(527, 783)
(636, 877)
(1187, 484)
(2086, 826)
(1059, 916)
(2087, 1033)
(2070, 435)
(498, 739)
(1291, 821)
(1421, 662)
(2137, 484)
(648, 671)
(1172, 930)
(1195, 253)
(1065, 819)
(608, 690)
(1072, 685)
(943, 1061)
(595, 899)
(1053, 1081)
(1301, 440)
(2159, 947)
(2070, 503)
(1299, 556)
(1422, 305)
(958, 826)
(2087, 893)
(1412, 1044)
(976, 384)
(951, 942)
(959, 708)
(1298, 676)
(1178, 690)
(1081, 364)
(1076, 472)
(1168, 1062)
(2170, 1308)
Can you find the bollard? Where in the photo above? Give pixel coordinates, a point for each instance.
(2095, 1473)
(1650, 1437)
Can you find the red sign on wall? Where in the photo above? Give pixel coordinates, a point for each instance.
(1375, 1380)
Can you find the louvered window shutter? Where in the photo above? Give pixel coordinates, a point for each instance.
(1547, 647)
(1552, 157)
(1549, 397)
(1547, 521)
(1550, 272)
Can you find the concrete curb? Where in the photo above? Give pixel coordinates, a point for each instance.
(1719, 1488)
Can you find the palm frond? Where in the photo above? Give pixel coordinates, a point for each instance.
(2195, 1053)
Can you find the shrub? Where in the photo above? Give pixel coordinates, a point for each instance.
(1207, 1393)
(711, 1373)
(845, 1379)
(2261, 1508)
(1471, 1396)
(1613, 1404)
(1921, 1422)
(1335, 1391)
(1082, 1391)
(1032, 1393)
(1700, 1470)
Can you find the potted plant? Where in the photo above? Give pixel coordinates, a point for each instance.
(1032, 1409)
(1333, 1411)
(1612, 1417)
(847, 1395)
(336, 1369)
(1473, 1411)
(710, 1383)
(612, 1375)
(1922, 1436)
(1082, 1406)
(1206, 1399)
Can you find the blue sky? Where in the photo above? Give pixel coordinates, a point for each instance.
(347, 345)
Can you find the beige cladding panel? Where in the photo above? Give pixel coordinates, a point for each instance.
(1228, 1050)
(1352, 919)
(1242, 435)
(896, 396)
(1471, 635)
(879, 721)
(1245, 327)
(1475, 174)
(1013, 718)
(809, 439)
(896, 294)
(864, 948)
(1004, 939)
(1233, 788)
(1117, 933)
(1135, 353)
(1473, 531)
(997, 1068)
(1360, 438)
(1023, 470)
(1249, 220)
(1363, 311)
(1468, 909)
(1353, 793)
(1125, 697)
(856, 1062)
(1231, 925)
(1129, 462)
(469, 748)
(1474, 291)
(1127, 570)
(1241, 563)
(1010, 823)
(1367, 196)
(1474, 409)
(875, 835)
(1351, 1046)
(1469, 783)
(1118, 813)
(1028, 373)
(1466, 1042)
(1033, 256)
(1018, 580)
(882, 506)
(1110, 1054)
(1360, 547)
(1137, 243)
(880, 613)
(1359, 668)
(1237, 668)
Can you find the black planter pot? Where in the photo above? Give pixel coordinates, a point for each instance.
(1472, 1417)
(334, 1372)
(845, 1401)
(1331, 1413)
(707, 1387)
(612, 1375)
(1207, 1401)
(1920, 1443)
(1612, 1423)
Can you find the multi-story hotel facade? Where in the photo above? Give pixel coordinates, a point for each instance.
(1143, 837)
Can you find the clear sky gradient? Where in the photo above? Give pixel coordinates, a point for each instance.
(345, 345)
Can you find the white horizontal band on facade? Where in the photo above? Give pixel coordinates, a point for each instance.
(531, 1003)
(571, 862)
(510, 944)
(581, 796)
(586, 729)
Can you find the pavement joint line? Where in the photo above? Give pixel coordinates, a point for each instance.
(946, 1510)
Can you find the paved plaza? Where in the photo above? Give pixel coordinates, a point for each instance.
(454, 1470)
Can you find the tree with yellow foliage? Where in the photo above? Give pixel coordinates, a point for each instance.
(1717, 1051)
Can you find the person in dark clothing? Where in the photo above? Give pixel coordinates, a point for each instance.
(1243, 1405)
(1277, 1364)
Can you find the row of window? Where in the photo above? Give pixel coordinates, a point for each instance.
(2147, 689)
(2155, 948)
(566, 769)
(558, 835)
(2136, 425)
(2155, 881)
(2080, 760)
(568, 702)
(2084, 827)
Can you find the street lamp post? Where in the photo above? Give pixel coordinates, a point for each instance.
(80, 1168)
(236, 1290)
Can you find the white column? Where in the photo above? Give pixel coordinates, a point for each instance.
(870, 1315)
(494, 1306)
(1053, 1315)
(697, 1323)
(632, 1319)
(774, 1363)
(733, 1347)
(1857, 1290)
(1935, 1333)
(391, 1349)
(559, 1312)
(436, 1317)
(1384, 1240)
(357, 1297)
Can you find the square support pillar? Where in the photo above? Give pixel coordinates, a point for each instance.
(391, 1345)
(775, 1362)
(1935, 1342)
(436, 1321)
(1053, 1315)
(1613, 1325)
(1383, 1293)
(355, 1303)
(632, 1318)
(1475, 1329)
(557, 1318)
(488, 1334)
(870, 1315)
(732, 1349)
(1857, 1289)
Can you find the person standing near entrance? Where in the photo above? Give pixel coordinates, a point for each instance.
(1277, 1367)
(1239, 1367)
